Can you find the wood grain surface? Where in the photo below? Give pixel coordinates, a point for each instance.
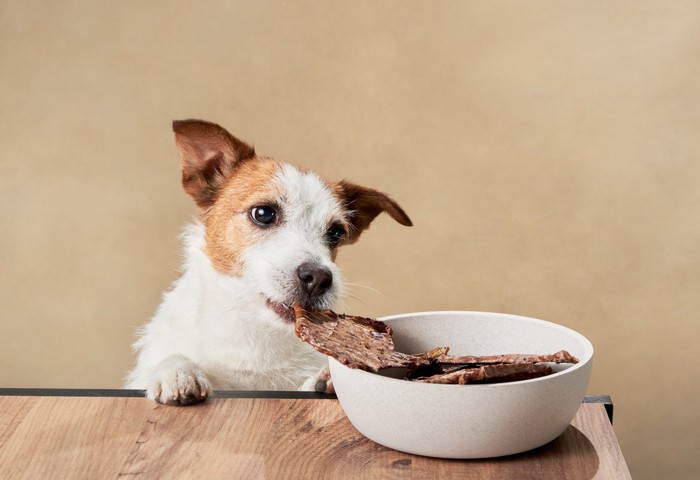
(256, 438)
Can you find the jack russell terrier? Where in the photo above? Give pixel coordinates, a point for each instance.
(267, 237)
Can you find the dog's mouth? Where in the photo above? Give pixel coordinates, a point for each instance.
(284, 311)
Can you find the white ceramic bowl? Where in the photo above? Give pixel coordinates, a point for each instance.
(468, 421)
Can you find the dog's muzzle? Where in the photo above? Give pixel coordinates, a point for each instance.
(313, 282)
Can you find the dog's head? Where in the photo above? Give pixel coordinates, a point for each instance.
(275, 226)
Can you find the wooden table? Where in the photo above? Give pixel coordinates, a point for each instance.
(96, 434)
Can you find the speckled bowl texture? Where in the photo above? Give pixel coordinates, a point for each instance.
(468, 421)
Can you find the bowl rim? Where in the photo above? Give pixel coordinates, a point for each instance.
(588, 347)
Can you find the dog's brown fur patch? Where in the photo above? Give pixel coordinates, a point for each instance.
(208, 155)
(229, 229)
(363, 205)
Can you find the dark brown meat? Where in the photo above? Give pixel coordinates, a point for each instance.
(357, 342)
(561, 356)
(505, 372)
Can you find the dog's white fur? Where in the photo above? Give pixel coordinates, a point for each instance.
(214, 330)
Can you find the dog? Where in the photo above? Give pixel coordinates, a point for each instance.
(266, 238)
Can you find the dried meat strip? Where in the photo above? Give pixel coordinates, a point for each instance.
(491, 374)
(561, 356)
(357, 342)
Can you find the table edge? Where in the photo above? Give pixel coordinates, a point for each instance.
(284, 394)
(120, 393)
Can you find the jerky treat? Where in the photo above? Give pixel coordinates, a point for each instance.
(491, 374)
(561, 356)
(357, 342)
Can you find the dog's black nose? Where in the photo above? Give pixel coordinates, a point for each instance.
(315, 280)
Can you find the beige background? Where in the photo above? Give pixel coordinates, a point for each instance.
(546, 151)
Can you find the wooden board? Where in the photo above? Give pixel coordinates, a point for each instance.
(83, 437)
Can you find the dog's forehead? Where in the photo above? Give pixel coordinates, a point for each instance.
(307, 196)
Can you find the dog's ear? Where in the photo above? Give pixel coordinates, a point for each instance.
(364, 204)
(208, 155)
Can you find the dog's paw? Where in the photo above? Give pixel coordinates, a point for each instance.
(325, 382)
(178, 382)
(320, 383)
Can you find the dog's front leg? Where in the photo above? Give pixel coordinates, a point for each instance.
(177, 381)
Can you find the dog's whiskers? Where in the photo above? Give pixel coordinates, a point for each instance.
(354, 298)
(343, 304)
(362, 285)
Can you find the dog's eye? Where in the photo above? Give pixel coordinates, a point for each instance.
(335, 234)
(264, 215)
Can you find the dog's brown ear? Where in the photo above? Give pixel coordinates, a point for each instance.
(364, 204)
(208, 154)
